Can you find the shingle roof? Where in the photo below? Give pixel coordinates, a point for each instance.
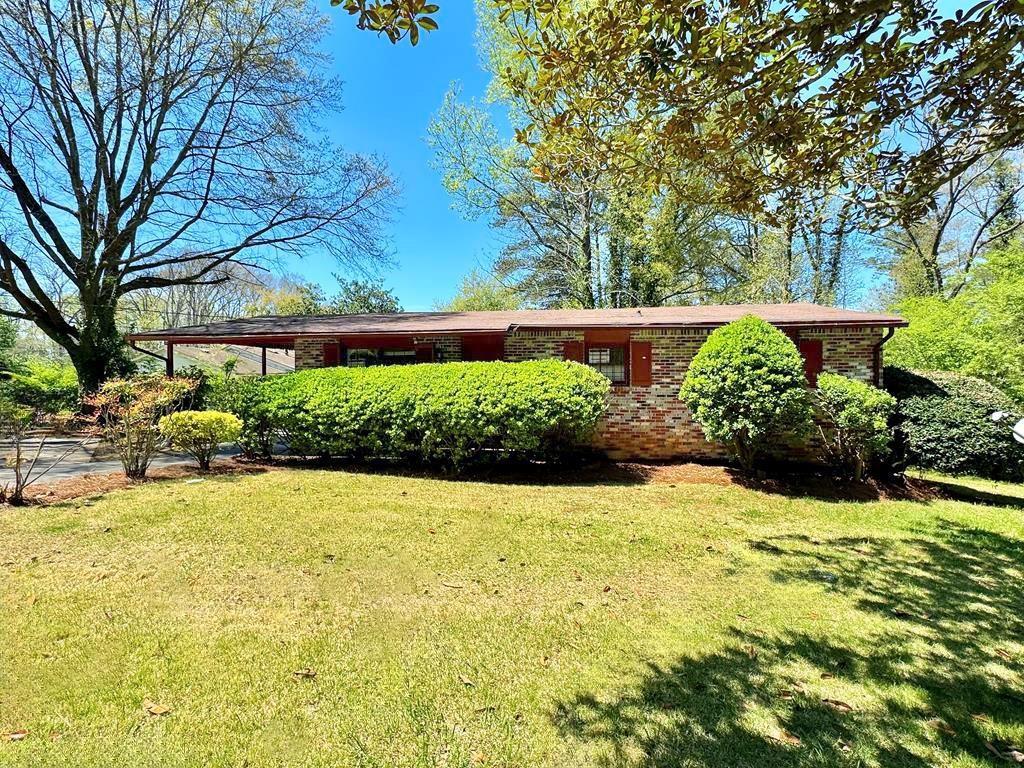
(427, 323)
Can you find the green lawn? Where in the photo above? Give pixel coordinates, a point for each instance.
(464, 624)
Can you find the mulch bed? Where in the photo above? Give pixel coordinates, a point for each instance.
(98, 484)
(802, 482)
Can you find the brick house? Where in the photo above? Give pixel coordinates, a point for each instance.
(645, 352)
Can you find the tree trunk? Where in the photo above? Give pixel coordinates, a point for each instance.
(101, 352)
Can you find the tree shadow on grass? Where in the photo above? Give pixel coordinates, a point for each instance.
(939, 679)
(962, 491)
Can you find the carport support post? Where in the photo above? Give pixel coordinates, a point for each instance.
(170, 358)
(263, 366)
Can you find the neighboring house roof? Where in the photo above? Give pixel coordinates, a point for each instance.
(433, 323)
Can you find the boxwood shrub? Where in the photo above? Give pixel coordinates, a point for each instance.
(747, 389)
(451, 413)
(943, 422)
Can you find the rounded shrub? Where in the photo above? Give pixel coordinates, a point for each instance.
(198, 433)
(746, 388)
(854, 421)
(943, 422)
(451, 413)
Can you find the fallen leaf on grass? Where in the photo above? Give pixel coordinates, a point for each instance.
(466, 681)
(838, 706)
(607, 589)
(154, 709)
(941, 725)
(784, 737)
(1005, 751)
(16, 735)
(477, 758)
(827, 675)
(306, 673)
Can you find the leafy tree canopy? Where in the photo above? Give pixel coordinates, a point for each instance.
(479, 292)
(980, 332)
(768, 96)
(356, 297)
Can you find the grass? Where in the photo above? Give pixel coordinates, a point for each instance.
(477, 624)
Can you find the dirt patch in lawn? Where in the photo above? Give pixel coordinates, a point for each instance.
(98, 484)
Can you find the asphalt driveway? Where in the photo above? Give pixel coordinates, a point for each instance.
(89, 457)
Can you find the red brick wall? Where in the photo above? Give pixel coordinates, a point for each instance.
(651, 422)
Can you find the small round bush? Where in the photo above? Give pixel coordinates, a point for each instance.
(198, 433)
(746, 388)
(943, 422)
(855, 421)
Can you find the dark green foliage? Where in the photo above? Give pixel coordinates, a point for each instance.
(747, 389)
(943, 422)
(249, 398)
(451, 414)
(8, 339)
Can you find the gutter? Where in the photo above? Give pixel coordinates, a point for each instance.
(877, 352)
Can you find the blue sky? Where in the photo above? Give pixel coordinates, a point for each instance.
(390, 93)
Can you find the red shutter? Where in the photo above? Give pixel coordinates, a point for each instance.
(424, 353)
(812, 352)
(574, 351)
(332, 354)
(640, 363)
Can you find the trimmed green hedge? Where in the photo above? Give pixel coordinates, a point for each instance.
(943, 422)
(452, 413)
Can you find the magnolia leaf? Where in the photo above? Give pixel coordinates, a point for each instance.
(154, 709)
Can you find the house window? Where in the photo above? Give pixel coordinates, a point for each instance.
(609, 360)
(364, 358)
